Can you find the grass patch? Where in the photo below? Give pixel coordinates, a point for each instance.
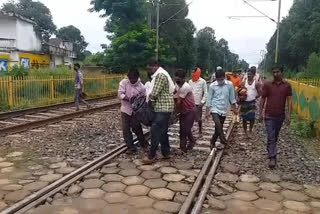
(303, 128)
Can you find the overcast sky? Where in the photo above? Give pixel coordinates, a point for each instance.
(247, 37)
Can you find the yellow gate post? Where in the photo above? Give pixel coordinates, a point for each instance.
(51, 89)
(104, 84)
(10, 92)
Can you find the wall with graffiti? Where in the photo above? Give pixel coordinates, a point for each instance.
(306, 102)
(4, 62)
(34, 61)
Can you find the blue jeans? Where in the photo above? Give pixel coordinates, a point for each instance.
(77, 97)
(273, 128)
(159, 134)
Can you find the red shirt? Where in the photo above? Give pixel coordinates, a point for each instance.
(276, 94)
(185, 95)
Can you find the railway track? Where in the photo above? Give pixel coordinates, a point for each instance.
(196, 195)
(19, 121)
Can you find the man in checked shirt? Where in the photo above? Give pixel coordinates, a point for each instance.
(161, 100)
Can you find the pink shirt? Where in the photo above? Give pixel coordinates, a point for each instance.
(126, 89)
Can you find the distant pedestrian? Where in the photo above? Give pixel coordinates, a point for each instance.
(78, 83)
(187, 108)
(221, 95)
(248, 102)
(200, 92)
(236, 82)
(161, 100)
(129, 88)
(275, 96)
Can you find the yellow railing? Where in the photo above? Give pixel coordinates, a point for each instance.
(306, 101)
(313, 82)
(31, 91)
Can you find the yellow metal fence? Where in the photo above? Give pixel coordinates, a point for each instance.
(31, 91)
(306, 100)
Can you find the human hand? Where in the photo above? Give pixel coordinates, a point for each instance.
(261, 117)
(288, 120)
(126, 98)
(207, 114)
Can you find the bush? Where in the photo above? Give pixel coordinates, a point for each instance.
(303, 128)
(313, 66)
(18, 71)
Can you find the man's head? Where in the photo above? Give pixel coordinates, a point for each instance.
(133, 75)
(253, 69)
(180, 77)
(251, 74)
(277, 72)
(234, 73)
(219, 68)
(152, 67)
(220, 76)
(76, 66)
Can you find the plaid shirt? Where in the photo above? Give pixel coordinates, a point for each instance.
(160, 96)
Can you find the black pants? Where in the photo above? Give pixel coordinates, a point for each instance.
(159, 134)
(186, 123)
(218, 121)
(128, 123)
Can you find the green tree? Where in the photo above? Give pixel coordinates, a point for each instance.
(35, 11)
(73, 34)
(299, 35)
(130, 50)
(123, 16)
(94, 59)
(206, 48)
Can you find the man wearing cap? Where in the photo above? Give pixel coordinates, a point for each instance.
(213, 77)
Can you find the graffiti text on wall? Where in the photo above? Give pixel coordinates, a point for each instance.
(3, 65)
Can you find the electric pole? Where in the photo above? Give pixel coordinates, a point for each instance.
(278, 34)
(158, 25)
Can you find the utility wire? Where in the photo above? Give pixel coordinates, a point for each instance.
(259, 11)
(179, 11)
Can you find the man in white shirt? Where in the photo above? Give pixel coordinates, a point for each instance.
(200, 91)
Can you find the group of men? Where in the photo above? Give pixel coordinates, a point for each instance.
(166, 97)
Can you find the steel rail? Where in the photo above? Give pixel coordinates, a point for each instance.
(40, 123)
(206, 174)
(40, 196)
(10, 114)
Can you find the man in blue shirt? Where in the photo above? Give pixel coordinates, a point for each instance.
(220, 96)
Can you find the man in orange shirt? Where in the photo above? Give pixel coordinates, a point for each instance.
(234, 78)
(236, 82)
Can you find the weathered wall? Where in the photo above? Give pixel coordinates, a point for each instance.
(27, 39)
(306, 102)
(8, 28)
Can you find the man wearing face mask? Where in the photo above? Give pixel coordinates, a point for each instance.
(200, 91)
(161, 100)
(221, 94)
(130, 88)
(187, 109)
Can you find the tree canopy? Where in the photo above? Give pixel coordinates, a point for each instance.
(35, 11)
(133, 43)
(299, 35)
(73, 34)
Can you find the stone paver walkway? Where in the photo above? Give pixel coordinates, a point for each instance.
(270, 194)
